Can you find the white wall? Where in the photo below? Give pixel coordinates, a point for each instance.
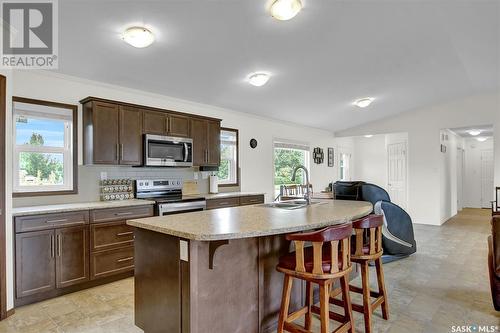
(370, 160)
(423, 127)
(472, 183)
(256, 164)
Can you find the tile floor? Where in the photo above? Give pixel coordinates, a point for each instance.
(444, 284)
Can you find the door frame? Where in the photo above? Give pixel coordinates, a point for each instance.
(3, 245)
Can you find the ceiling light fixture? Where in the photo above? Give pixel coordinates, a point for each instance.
(284, 10)
(258, 79)
(363, 102)
(482, 139)
(368, 136)
(474, 132)
(138, 37)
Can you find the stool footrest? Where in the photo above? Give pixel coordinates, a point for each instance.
(295, 315)
(355, 307)
(360, 291)
(333, 316)
(294, 328)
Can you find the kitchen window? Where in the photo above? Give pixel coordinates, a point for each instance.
(345, 166)
(228, 169)
(288, 155)
(44, 147)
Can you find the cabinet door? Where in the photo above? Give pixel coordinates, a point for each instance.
(72, 264)
(154, 123)
(130, 136)
(199, 134)
(35, 262)
(213, 143)
(178, 125)
(105, 127)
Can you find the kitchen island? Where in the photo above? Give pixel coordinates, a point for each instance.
(214, 271)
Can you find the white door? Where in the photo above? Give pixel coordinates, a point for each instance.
(486, 178)
(345, 166)
(396, 175)
(460, 178)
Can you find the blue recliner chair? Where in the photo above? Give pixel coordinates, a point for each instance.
(398, 239)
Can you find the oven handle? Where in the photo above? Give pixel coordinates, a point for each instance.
(181, 206)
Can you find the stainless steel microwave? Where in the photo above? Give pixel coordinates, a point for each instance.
(167, 151)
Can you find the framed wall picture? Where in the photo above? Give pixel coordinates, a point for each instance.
(330, 157)
(443, 149)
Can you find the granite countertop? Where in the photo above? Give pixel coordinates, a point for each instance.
(34, 210)
(209, 196)
(253, 221)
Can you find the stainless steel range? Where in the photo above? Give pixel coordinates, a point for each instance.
(167, 193)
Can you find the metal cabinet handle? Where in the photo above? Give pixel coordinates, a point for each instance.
(56, 221)
(121, 150)
(123, 214)
(125, 233)
(223, 203)
(125, 259)
(52, 247)
(117, 152)
(59, 245)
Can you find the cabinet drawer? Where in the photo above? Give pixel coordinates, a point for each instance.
(251, 200)
(223, 202)
(110, 235)
(111, 262)
(51, 221)
(120, 214)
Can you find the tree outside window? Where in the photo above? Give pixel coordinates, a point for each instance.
(287, 156)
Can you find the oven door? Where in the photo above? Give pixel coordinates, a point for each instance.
(168, 151)
(181, 207)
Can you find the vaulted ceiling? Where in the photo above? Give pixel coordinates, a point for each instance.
(404, 53)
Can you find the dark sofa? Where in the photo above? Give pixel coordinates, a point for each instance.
(494, 261)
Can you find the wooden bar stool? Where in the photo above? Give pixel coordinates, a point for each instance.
(326, 261)
(368, 248)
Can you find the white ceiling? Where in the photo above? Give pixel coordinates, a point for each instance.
(405, 53)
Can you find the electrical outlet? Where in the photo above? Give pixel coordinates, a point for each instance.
(104, 175)
(195, 177)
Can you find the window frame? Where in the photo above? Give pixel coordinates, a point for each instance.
(73, 159)
(237, 183)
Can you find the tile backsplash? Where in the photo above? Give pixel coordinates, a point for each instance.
(90, 175)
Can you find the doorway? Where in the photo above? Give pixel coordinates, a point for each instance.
(460, 178)
(396, 173)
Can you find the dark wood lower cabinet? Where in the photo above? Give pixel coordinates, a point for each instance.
(76, 250)
(35, 262)
(72, 264)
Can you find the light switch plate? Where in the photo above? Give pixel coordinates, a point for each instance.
(184, 251)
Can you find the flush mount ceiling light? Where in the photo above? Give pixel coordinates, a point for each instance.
(284, 10)
(368, 136)
(258, 79)
(474, 132)
(138, 37)
(363, 102)
(482, 139)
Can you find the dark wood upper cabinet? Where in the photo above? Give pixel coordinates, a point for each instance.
(35, 262)
(155, 122)
(178, 125)
(113, 132)
(72, 264)
(130, 136)
(199, 134)
(213, 143)
(206, 142)
(101, 126)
